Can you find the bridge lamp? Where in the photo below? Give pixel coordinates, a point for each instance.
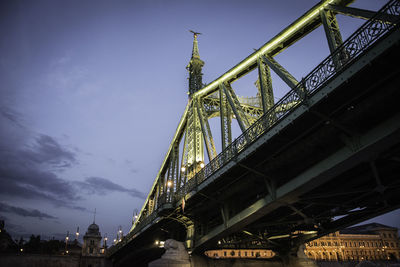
(202, 165)
(66, 238)
(169, 183)
(183, 169)
(157, 242)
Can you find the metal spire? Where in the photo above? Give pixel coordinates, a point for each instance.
(194, 67)
(195, 51)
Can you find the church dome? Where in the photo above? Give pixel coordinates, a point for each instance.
(93, 229)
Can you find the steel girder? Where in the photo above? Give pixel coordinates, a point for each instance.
(226, 119)
(205, 127)
(265, 86)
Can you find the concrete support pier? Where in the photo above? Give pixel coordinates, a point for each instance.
(175, 255)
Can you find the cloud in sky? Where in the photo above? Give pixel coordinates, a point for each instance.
(99, 185)
(28, 162)
(4, 207)
(29, 168)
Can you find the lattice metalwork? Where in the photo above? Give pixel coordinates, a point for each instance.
(235, 106)
(333, 35)
(357, 43)
(226, 119)
(264, 85)
(209, 141)
(214, 102)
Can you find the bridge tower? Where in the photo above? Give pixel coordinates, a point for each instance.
(194, 138)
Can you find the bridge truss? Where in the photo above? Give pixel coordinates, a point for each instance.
(184, 175)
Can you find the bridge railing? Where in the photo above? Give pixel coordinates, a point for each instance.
(346, 53)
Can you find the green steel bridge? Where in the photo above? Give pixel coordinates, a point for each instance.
(323, 157)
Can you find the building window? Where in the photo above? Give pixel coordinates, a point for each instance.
(245, 253)
(225, 253)
(384, 235)
(90, 250)
(91, 242)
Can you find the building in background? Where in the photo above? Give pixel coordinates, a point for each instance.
(92, 241)
(372, 241)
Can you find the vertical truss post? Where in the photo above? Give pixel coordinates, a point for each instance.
(226, 119)
(205, 127)
(265, 86)
(236, 107)
(283, 74)
(333, 35)
(195, 141)
(184, 163)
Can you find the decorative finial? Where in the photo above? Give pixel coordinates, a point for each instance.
(94, 216)
(195, 33)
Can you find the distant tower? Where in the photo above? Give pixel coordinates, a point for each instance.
(92, 240)
(194, 67)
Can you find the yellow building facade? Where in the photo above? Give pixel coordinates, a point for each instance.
(365, 242)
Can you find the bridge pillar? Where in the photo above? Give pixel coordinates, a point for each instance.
(175, 255)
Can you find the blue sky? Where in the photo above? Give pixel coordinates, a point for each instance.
(92, 91)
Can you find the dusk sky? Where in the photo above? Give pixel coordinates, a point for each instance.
(92, 91)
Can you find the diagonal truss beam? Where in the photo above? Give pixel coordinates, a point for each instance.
(282, 73)
(333, 35)
(205, 127)
(266, 92)
(363, 13)
(236, 107)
